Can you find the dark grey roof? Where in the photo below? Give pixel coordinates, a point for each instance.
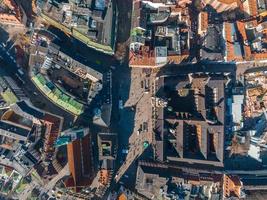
(212, 48)
(255, 181)
(213, 39)
(14, 129)
(28, 159)
(30, 110)
(197, 108)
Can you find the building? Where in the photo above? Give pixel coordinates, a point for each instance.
(232, 187)
(213, 46)
(52, 123)
(237, 110)
(222, 5)
(122, 194)
(166, 182)
(10, 180)
(159, 35)
(93, 23)
(71, 135)
(245, 40)
(65, 81)
(102, 115)
(203, 23)
(189, 123)
(17, 128)
(107, 153)
(22, 125)
(256, 98)
(80, 161)
(11, 14)
(107, 145)
(17, 134)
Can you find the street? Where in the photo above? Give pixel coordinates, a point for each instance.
(135, 124)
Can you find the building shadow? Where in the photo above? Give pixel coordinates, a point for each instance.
(4, 36)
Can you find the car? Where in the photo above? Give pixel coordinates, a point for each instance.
(125, 151)
(120, 104)
(20, 72)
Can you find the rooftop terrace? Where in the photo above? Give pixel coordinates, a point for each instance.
(57, 96)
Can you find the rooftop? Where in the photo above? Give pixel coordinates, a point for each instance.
(16, 132)
(80, 164)
(93, 23)
(25, 107)
(160, 35)
(191, 126)
(153, 180)
(11, 116)
(107, 144)
(247, 40)
(58, 75)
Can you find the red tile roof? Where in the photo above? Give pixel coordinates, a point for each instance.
(253, 7)
(80, 164)
(53, 125)
(145, 57)
(229, 45)
(247, 50)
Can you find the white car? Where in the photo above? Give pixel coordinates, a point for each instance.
(125, 151)
(120, 104)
